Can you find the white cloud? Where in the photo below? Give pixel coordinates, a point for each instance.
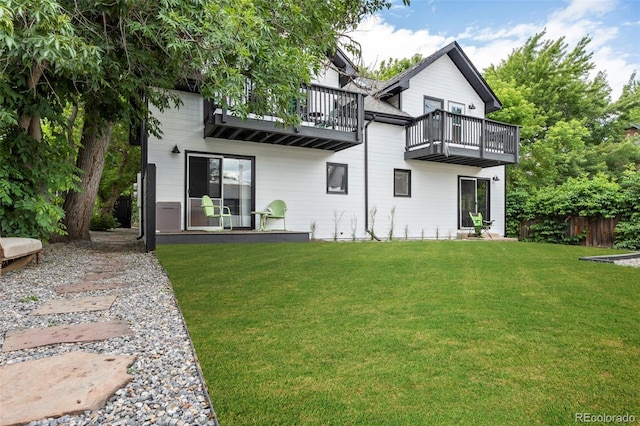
(380, 41)
(491, 45)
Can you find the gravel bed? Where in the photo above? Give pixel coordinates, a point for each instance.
(167, 387)
(635, 262)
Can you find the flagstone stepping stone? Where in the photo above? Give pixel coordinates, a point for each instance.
(92, 276)
(88, 286)
(34, 337)
(85, 304)
(59, 385)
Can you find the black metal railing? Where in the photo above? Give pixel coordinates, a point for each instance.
(317, 106)
(449, 129)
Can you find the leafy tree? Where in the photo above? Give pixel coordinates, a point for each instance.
(122, 163)
(628, 228)
(558, 81)
(392, 67)
(572, 132)
(114, 58)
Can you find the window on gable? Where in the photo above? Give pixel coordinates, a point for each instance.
(401, 183)
(337, 178)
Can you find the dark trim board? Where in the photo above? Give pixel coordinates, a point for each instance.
(611, 258)
(223, 237)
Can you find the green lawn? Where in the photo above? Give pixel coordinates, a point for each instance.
(410, 333)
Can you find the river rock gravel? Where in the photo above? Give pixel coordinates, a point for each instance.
(167, 387)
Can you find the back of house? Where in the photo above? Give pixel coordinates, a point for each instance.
(409, 157)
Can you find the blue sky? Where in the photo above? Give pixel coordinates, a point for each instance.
(488, 31)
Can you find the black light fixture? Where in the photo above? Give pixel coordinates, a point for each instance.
(496, 178)
(175, 150)
(472, 106)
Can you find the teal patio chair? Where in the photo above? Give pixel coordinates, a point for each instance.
(480, 225)
(277, 209)
(216, 211)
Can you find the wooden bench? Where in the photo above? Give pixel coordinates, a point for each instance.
(17, 252)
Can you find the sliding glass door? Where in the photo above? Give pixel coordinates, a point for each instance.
(227, 180)
(473, 197)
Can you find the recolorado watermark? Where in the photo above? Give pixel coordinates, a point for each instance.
(604, 418)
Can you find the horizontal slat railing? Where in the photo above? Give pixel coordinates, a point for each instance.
(317, 106)
(442, 127)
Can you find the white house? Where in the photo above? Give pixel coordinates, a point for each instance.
(411, 157)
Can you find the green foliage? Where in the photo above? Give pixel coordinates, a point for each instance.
(612, 157)
(559, 81)
(119, 57)
(628, 228)
(516, 203)
(572, 146)
(122, 163)
(597, 197)
(33, 178)
(103, 222)
(392, 67)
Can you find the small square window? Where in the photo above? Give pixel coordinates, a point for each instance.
(401, 183)
(337, 178)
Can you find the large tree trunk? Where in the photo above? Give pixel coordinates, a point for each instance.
(78, 206)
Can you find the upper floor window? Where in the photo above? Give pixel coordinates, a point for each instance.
(432, 104)
(337, 178)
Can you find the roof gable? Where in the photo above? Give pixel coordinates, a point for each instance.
(401, 82)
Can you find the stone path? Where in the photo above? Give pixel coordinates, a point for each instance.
(86, 304)
(59, 385)
(51, 364)
(70, 383)
(90, 332)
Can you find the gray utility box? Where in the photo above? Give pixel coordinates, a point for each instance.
(168, 216)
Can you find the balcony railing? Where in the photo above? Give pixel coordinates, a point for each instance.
(329, 119)
(454, 138)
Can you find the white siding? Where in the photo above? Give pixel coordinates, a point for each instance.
(295, 175)
(442, 80)
(298, 176)
(432, 209)
(327, 77)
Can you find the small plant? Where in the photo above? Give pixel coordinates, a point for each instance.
(391, 219)
(372, 218)
(32, 298)
(314, 228)
(336, 223)
(354, 227)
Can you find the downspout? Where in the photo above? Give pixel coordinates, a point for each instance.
(144, 155)
(504, 179)
(366, 173)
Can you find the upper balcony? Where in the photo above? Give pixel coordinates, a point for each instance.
(330, 119)
(446, 137)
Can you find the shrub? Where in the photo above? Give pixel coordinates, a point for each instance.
(104, 223)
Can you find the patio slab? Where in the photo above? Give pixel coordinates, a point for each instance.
(59, 385)
(86, 304)
(42, 336)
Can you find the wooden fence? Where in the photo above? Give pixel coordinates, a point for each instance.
(599, 231)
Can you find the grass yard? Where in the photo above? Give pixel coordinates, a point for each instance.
(410, 333)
